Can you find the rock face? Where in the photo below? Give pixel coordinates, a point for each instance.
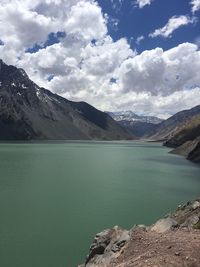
(181, 132)
(194, 155)
(28, 112)
(171, 241)
(168, 128)
(186, 139)
(107, 246)
(188, 131)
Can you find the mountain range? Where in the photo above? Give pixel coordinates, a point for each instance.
(29, 112)
(135, 124)
(181, 131)
(131, 116)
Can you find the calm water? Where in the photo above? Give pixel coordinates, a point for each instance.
(55, 197)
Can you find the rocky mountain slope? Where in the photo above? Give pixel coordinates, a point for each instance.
(173, 241)
(28, 112)
(169, 127)
(186, 139)
(135, 124)
(194, 154)
(181, 132)
(187, 131)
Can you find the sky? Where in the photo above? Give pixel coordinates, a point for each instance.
(139, 55)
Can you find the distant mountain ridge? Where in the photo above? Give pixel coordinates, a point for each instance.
(29, 112)
(135, 124)
(131, 116)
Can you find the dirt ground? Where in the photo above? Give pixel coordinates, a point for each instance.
(172, 248)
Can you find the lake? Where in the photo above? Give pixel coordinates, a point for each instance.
(55, 196)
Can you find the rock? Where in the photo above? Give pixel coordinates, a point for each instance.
(157, 245)
(138, 227)
(191, 221)
(99, 244)
(118, 245)
(164, 225)
(195, 205)
(106, 246)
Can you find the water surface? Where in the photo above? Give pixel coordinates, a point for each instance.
(54, 197)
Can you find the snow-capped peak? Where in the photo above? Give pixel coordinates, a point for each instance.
(131, 116)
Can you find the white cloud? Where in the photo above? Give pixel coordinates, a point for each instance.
(139, 39)
(117, 4)
(143, 3)
(25, 23)
(195, 5)
(88, 65)
(112, 23)
(161, 72)
(173, 24)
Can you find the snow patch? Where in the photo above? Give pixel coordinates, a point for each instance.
(24, 86)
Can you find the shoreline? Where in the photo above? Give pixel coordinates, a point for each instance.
(171, 241)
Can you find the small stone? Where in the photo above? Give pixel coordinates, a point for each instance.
(177, 253)
(169, 247)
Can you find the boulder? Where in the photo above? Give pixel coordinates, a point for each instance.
(106, 246)
(164, 225)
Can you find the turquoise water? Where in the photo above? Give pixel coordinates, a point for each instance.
(54, 197)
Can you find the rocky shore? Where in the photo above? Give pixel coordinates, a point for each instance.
(171, 241)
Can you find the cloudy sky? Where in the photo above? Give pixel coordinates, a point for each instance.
(139, 55)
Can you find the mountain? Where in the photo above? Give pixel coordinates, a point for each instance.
(29, 112)
(138, 128)
(194, 154)
(187, 131)
(186, 139)
(131, 116)
(135, 124)
(168, 128)
(181, 132)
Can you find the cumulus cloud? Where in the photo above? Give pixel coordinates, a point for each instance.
(24, 23)
(173, 24)
(161, 72)
(86, 64)
(143, 3)
(195, 5)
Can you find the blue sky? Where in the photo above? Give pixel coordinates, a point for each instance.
(139, 55)
(134, 22)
